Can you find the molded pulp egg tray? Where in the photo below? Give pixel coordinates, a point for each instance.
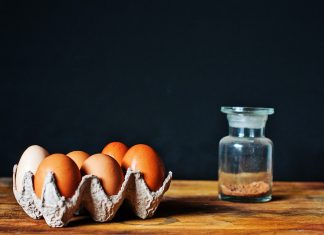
(58, 210)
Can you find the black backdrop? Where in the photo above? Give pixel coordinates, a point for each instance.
(82, 74)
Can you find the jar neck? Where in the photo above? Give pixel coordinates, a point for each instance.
(246, 132)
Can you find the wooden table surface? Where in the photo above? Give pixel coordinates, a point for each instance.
(191, 207)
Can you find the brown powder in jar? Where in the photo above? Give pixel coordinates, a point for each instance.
(245, 184)
(253, 189)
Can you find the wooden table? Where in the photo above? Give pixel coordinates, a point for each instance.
(192, 207)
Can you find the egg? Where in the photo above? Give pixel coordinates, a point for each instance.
(116, 150)
(78, 157)
(144, 158)
(66, 172)
(29, 161)
(107, 170)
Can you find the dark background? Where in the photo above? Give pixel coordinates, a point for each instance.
(82, 74)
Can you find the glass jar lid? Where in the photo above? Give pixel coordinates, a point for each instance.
(247, 110)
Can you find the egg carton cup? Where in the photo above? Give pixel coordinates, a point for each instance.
(58, 210)
(25, 197)
(141, 199)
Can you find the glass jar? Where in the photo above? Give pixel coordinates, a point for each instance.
(245, 156)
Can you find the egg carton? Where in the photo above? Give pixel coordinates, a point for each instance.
(58, 210)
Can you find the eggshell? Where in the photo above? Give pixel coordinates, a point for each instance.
(143, 158)
(116, 150)
(66, 173)
(78, 157)
(29, 161)
(107, 170)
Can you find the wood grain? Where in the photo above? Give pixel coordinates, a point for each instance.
(191, 207)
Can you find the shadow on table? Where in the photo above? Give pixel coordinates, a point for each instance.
(197, 205)
(208, 205)
(171, 207)
(279, 198)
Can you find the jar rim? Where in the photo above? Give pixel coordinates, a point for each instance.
(247, 110)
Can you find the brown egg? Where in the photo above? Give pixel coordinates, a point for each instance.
(66, 173)
(116, 150)
(143, 158)
(107, 170)
(78, 157)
